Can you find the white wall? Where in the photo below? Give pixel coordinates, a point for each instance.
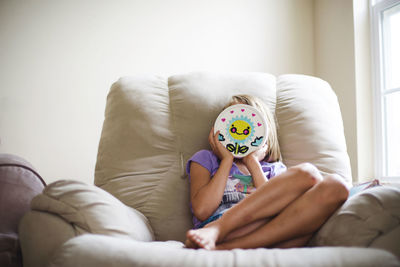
(342, 57)
(59, 58)
(364, 91)
(334, 62)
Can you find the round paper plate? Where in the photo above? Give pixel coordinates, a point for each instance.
(243, 129)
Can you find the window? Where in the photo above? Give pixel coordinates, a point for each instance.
(385, 23)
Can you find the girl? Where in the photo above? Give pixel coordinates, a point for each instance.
(279, 208)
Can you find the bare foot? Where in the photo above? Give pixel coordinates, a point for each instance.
(190, 244)
(206, 237)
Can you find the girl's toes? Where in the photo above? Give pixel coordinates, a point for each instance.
(190, 244)
(199, 240)
(190, 233)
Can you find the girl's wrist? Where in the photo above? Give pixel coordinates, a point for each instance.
(252, 164)
(228, 159)
(249, 159)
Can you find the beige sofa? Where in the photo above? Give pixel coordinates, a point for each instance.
(138, 212)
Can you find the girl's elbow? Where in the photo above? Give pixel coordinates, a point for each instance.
(201, 213)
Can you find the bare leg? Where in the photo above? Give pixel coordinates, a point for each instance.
(293, 243)
(266, 201)
(244, 230)
(301, 218)
(208, 231)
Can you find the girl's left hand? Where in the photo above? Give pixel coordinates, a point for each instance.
(252, 162)
(257, 155)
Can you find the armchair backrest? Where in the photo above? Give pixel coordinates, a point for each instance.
(154, 124)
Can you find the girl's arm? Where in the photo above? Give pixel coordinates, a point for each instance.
(252, 162)
(206, 193)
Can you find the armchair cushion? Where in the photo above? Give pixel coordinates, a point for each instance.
(92, 210)
(310, 125)
(99, 251)
(197, 98)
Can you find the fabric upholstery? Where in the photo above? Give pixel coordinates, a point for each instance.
(146, 139)
(196, 99)
(19, 183)
(154, 124)
(137, 160)
(95, 250)
(369, 219)
(310, 125)
(90, 209)
(41, 235)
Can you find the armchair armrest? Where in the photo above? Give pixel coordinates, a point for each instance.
(67, 209)
(368, 219)
(40, 235)
(90, 209)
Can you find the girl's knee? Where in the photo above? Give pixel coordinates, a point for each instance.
(307, 173)
(333, 189)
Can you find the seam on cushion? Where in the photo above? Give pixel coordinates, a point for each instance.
(276, 102)
(387, 215)
(387, 233)
(174, 131)
(121, 176)
(83, 216)
(350, 213)
(379, 203)
(168, 170)
(26, 168)
(150, 196)
(376, 199)
(379, 233)
(179, 155)
(59, 215)
(372, 198)
(277, 125)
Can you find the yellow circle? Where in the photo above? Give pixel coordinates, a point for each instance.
(240, 130)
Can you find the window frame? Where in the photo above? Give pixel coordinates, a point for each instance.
(376, 10)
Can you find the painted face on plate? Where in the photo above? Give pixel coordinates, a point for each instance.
(240, 129)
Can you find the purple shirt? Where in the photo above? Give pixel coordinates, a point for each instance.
(238, 185)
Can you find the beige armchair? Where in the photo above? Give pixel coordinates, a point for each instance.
(137, 213)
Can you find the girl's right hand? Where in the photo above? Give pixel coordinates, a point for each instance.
(217, 147)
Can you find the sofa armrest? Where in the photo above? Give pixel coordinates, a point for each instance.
(368, 219)
(19, 183)
(90, 209)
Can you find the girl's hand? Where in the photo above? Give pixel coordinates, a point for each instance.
(252, 162)
(257, 155)
(217, 147)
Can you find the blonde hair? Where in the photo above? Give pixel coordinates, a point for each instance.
(273, 152)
